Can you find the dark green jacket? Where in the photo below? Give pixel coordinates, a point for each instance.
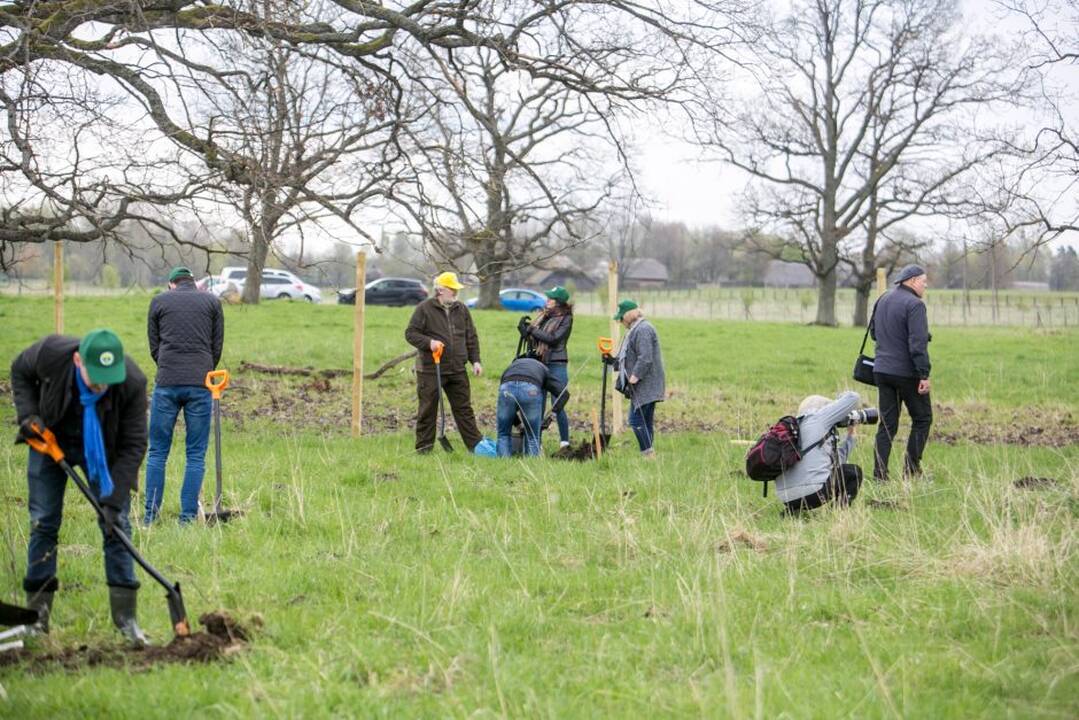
(453, 326)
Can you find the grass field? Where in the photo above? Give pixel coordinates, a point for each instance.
(392, 585)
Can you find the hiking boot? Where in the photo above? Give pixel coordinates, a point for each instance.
(563, 444)
(42, 602)
(123, 602)
(649, 454)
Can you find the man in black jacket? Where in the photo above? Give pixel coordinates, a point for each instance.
(94, 400)
(523, 391)
(186, 329)
(901, 367)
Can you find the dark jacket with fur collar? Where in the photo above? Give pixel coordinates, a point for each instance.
(41, 382)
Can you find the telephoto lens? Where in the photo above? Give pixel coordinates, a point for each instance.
(868, 416)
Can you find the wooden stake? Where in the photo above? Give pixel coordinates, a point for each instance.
(882, 282)
(58, 285)
(596, 438)
(357, 346)
(616, 331)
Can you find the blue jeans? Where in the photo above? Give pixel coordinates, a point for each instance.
(47, 483)
(165, 407)
(529, 399)
(640, 419)
(561, 372)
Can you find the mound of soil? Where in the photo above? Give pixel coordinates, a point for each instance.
(224, 637)
(584, 450)
(1030, 482)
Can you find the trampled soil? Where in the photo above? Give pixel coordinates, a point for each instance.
(224, 636)
(323, 404)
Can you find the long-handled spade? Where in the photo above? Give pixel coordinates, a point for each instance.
(45, 443)
(442, 439)
(216, 382)
(606, 347)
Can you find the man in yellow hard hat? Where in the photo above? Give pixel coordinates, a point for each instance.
(442, 323)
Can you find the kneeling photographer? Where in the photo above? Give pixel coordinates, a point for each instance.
(823, 474)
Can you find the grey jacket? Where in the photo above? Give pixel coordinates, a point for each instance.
(639, 355)
(809, 475)
(900, 328)
(186, 330)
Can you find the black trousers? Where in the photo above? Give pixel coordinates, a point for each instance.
(891, 391)
(459, 398)
(842, 487)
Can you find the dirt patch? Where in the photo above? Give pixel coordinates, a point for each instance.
(1030, 482)
(884, 505)
(320, 401)
(584, 450)
(743, 539)
(224, 637)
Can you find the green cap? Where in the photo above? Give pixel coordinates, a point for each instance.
(558, 293)
(180, 272)
(102, 355)
(624, 307)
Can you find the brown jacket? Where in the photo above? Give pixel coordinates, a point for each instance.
(453, 326)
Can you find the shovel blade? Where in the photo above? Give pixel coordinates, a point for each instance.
(445, 443)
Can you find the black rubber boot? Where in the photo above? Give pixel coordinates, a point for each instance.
(42, 602)
(123, 602)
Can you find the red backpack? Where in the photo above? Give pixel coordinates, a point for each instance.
(776, 450)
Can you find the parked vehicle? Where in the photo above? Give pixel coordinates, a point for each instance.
(387, 291)
(517, 300)
(276, 284)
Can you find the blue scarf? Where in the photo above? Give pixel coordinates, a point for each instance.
(93, 443)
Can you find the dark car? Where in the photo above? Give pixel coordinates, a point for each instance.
(387, 291)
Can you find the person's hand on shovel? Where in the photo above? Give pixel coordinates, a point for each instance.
(435, 345)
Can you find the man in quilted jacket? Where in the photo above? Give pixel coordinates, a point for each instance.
(186, 329)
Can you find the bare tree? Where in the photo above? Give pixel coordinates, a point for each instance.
(507, 167)
(850, 92)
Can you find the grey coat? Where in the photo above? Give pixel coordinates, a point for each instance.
(901, 331)
(809, 475)
(639, 355)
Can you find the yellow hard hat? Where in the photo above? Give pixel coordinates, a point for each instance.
(449, 280)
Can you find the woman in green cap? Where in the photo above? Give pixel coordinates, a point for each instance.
(547, 336)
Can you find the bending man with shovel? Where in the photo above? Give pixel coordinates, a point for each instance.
(442, 325)
(94, 399)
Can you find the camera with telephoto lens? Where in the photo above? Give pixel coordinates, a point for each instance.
(868, 416)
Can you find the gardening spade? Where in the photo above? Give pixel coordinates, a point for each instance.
(442, 439)
(45, 443)
(606, 347)
(18, 619)
(216, 382)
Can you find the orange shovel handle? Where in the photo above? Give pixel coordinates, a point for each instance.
(216, 382)
(46, 444)
(437, 354)
(605, 345)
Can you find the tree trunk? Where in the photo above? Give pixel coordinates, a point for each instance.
(490, 286)
(861, 304)
(256, 261)
(826, 275)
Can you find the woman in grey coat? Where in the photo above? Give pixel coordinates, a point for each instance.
(640, 373)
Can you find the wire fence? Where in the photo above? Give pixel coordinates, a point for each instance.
(945, 307)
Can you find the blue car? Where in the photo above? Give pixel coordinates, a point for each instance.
(518, 300)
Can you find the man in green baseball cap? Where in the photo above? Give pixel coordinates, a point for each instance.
(179, 272)
(102, 357)
(624, 307)
(93, 398)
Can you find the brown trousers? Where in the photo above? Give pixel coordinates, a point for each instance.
(459, 398)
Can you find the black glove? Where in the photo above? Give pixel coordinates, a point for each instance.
(26, 428)
(523, 325)
(612, 361)
(547, 421)
(112, 517)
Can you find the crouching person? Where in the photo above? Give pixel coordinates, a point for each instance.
(822, 475)
(94, 400)
(523, 389)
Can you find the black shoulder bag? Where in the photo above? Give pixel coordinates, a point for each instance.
(863, 366)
